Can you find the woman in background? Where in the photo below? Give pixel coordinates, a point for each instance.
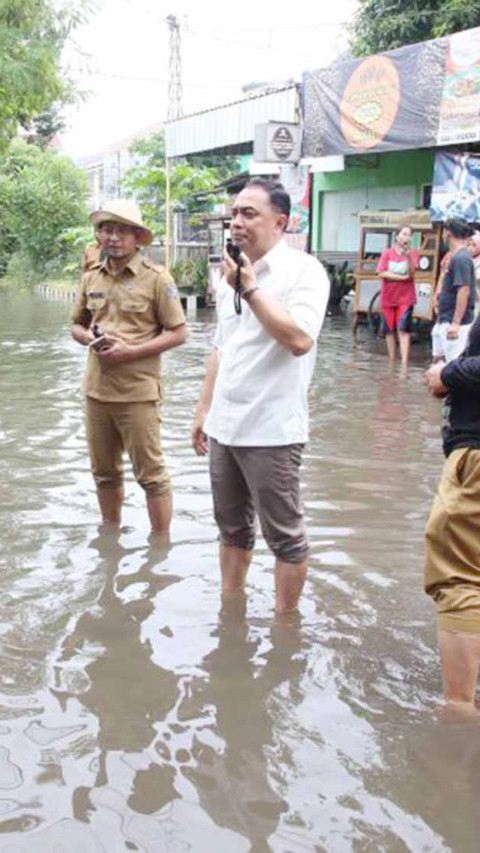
(397, 267)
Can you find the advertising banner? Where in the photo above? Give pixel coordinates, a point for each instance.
(456, 187)
(296, 180)
(419, 96)
(460, 106)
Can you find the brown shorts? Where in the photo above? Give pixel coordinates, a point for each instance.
(452, 568)
(112, 429)
(262, 480)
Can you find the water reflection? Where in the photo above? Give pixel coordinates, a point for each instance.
(231, 767)
(140, 712)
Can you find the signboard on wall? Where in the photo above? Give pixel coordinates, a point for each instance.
(456, 187)
(419, 96)
(277, 142)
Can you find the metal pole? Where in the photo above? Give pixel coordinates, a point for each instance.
(167, 212)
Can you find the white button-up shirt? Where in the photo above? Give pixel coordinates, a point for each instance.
(260, 394)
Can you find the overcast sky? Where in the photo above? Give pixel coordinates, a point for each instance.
(121, 57)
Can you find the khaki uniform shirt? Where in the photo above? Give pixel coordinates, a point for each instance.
(134, 305)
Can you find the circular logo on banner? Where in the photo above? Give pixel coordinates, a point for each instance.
(282, 143)
(370, 102)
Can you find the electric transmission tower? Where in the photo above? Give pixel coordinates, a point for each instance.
(175, 94)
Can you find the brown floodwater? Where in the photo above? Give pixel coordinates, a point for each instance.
(137, 713)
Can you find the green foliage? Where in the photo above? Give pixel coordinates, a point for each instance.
(191, 275)
(44, 197)
(146, 181)
(381, 25)
(47, 125)
(32, 35)
(342, 282)
(8, 240)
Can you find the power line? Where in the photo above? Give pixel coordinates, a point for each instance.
(139, 79)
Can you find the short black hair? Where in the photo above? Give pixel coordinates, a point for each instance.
(459, 228)
(279, 198)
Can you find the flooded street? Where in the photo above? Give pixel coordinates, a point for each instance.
(137, 713)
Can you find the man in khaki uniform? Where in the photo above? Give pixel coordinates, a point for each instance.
(127, 312)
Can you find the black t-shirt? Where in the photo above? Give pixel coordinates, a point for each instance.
(461, 425)
(460, 272)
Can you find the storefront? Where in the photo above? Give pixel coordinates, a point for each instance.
(393, 181)
(373, 130)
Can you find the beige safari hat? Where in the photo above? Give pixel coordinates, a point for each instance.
(125, 211)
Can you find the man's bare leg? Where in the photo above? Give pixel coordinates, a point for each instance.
(110, 499)
(391, 345)
(289, 582)
(160, 512)
(460, 657)
(234, 563)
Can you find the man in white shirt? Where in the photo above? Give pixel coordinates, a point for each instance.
(253, 404)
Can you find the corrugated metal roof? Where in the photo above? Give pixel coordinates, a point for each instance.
(231, 125)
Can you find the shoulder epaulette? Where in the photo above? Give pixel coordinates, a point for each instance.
(151, 265)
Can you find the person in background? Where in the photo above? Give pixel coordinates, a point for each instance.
(93, 253)
(396, 268)
(474, 246)
(455, 301)
(452, 566)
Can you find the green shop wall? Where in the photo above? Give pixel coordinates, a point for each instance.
(395, 169)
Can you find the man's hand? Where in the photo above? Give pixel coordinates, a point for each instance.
(434, 381)
(229, 269)
(199, 439)
(115, 351)
(453, 331)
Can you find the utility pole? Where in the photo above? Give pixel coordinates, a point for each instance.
(175, 110)
(175, 91)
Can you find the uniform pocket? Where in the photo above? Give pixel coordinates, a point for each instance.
(134, 306)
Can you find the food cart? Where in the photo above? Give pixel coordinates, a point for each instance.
(377, 233)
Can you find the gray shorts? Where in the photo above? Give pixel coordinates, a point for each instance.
(263, 481)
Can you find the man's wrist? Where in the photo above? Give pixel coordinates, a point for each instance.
(247, 292)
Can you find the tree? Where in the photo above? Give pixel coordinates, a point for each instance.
(46, 126)
(32, 35)
(42, 195)
(381, 25)
(189, 177)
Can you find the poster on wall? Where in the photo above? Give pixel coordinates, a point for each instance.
(456, 187)
(418, 96)
(296, 180)
(460, 105)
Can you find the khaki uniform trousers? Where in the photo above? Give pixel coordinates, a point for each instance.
(452, 568)
(112, 429)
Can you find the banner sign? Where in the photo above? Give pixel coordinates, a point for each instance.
(456, 187)
(419, 96)
(296, 180)
(460, 106)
